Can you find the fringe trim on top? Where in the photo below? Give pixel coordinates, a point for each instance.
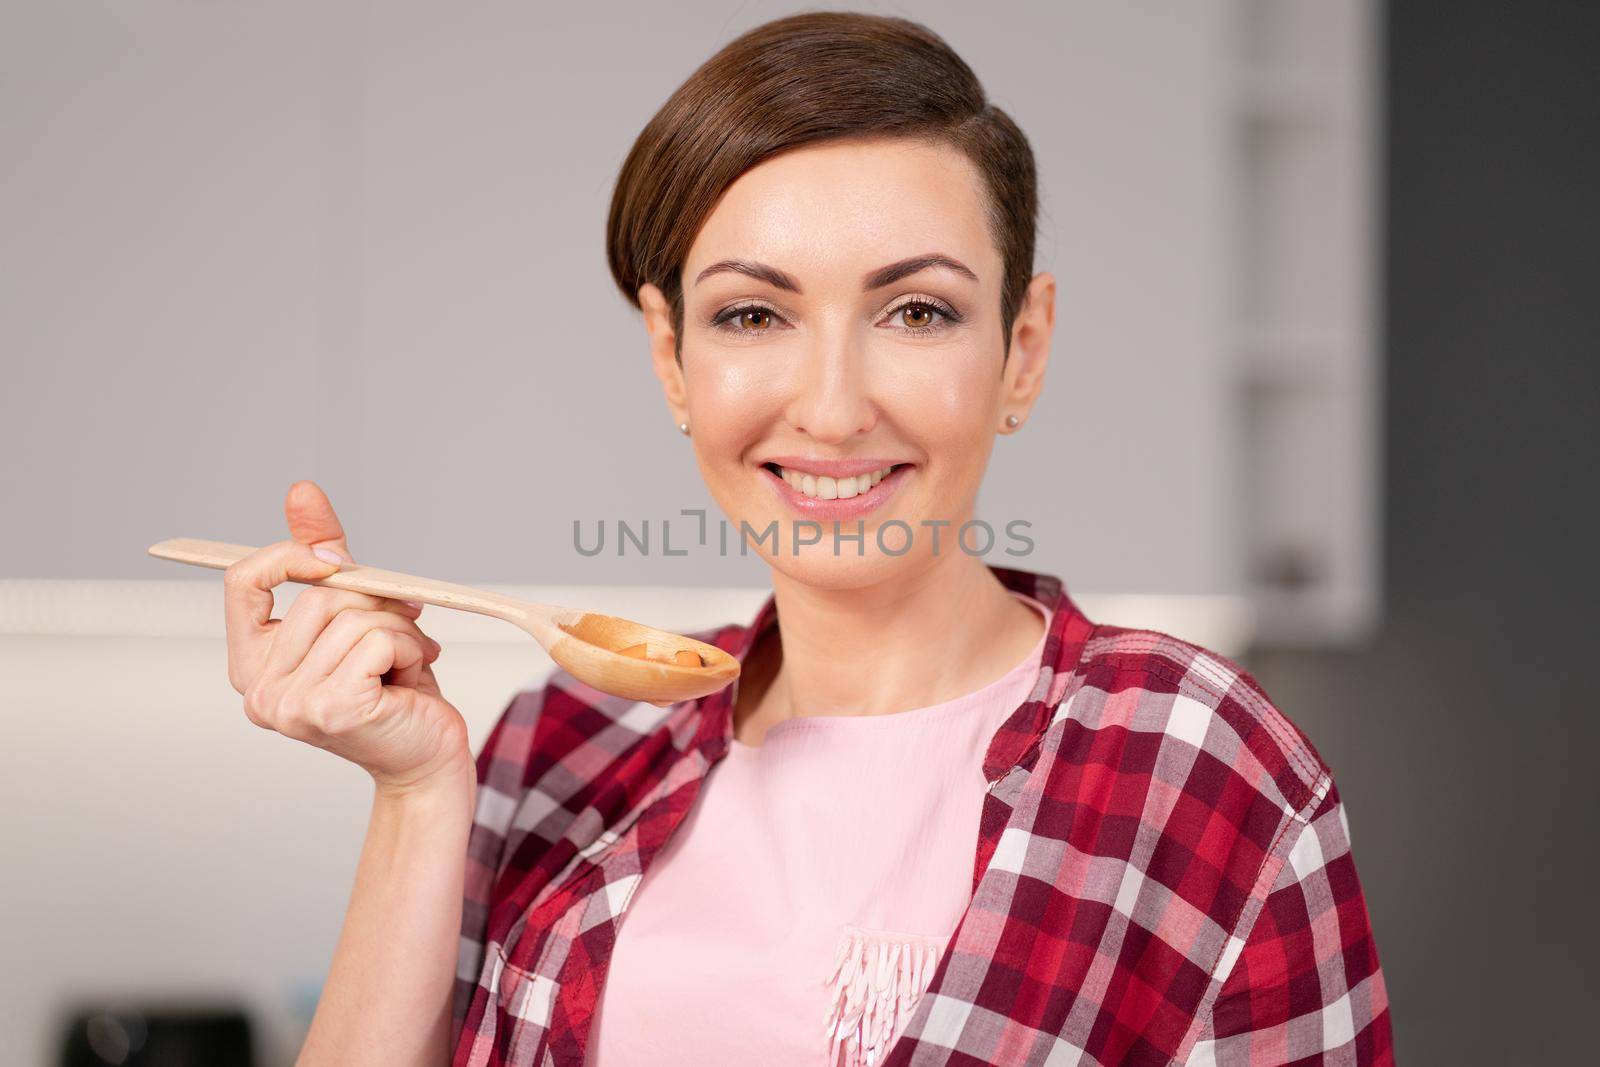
(877, 979)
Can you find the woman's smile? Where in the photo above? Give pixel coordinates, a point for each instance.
(833, 489)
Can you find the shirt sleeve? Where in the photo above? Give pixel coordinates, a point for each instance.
(1306, 988)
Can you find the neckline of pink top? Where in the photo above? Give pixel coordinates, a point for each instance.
(797, 914)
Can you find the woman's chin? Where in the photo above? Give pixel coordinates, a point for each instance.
(816, 567)
(853, 566)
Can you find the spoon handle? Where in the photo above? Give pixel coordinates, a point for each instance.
(219, 555)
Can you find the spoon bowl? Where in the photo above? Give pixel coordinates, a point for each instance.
(588, 650)
(584, 643)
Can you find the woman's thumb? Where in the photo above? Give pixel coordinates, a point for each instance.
(312, 520)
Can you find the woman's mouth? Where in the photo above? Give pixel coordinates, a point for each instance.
(834, 489)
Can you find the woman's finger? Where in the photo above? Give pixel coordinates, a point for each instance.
(405, 677)
(311, 613)
(247, 602)
(378, 652)
(347, 629)
(410, 675)
(312, 520)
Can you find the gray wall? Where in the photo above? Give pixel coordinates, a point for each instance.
(247, 243)
(1464, 740)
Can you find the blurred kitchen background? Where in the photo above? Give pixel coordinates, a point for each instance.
(1327, 332)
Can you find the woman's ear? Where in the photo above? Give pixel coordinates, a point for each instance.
(664, 349)
(1030, 350)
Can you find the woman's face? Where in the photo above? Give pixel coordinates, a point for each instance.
(842, 357)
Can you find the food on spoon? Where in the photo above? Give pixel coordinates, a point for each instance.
(681, 658)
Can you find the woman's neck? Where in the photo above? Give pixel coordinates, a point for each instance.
(905, 644)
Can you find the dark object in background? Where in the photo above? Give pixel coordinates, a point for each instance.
(158, 1037)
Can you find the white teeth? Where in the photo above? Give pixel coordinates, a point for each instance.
(823, 487)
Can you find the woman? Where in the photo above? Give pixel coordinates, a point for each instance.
(942, 817)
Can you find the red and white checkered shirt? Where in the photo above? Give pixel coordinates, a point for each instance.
(1163, 872)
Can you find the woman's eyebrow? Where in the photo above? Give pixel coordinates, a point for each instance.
(874, 280)
(760, 271)
(895, 271)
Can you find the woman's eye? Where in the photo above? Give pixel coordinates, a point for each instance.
(918, 316)
(913, 316)
(749, 319)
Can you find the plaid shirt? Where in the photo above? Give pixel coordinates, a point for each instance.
(1163, 871)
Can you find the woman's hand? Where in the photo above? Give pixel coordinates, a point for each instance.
(343, 671)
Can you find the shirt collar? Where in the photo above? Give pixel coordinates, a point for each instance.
(1016, 738)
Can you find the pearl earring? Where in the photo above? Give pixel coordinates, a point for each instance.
(1012, 421)
(683, 428)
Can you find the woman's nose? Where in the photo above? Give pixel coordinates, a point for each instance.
(831, 400)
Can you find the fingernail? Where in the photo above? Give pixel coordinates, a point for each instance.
(327, 555)
(413, 604)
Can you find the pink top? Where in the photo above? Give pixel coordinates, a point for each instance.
(798, 912)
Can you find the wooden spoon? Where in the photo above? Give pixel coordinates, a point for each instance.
(583, 642)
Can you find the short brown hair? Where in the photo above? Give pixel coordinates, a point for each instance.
(800, 80)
